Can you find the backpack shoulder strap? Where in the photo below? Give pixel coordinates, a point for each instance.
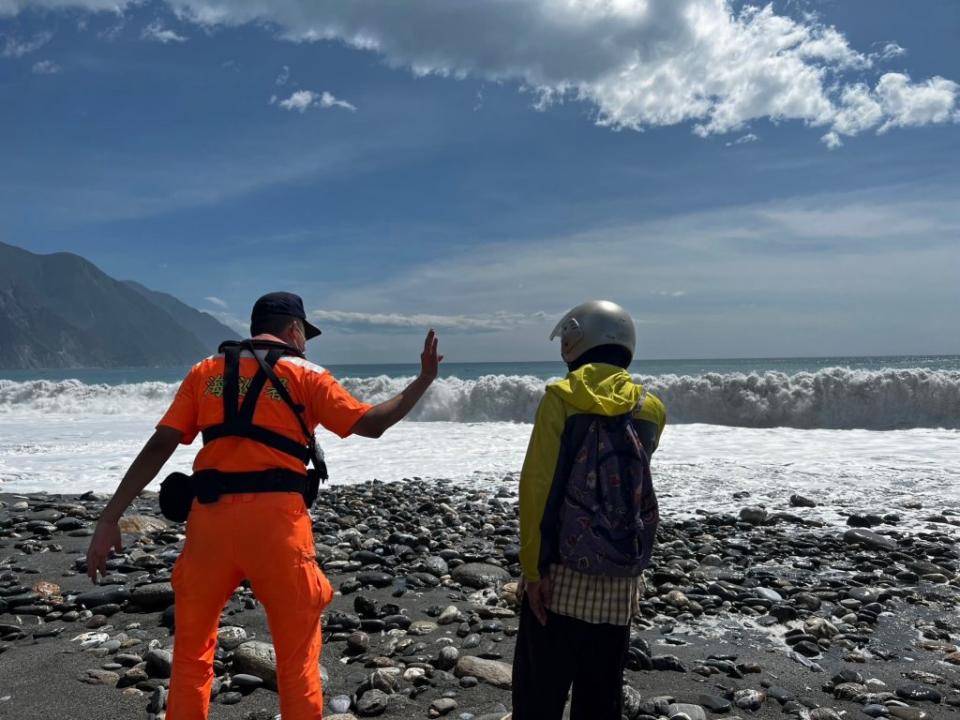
(266, 370)
(248, 406)
(643, 398)
(231, 384)
(266, 363)
(238, 422)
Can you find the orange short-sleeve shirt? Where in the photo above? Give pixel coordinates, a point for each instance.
(199, 405)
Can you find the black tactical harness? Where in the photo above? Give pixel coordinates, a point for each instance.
(178, 490)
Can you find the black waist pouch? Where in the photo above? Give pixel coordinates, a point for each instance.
(312, 488)
(176, 497)
(178, 491)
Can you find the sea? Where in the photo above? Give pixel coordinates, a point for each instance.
(855, 434)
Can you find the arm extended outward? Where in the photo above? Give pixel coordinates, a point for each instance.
(144, 468)
(388, 413)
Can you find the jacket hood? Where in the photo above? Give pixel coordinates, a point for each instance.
(599, 388)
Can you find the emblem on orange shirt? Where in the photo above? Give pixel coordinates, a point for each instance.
(215, 387)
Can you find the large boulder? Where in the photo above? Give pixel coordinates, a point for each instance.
(104, 595)
(372, 703)
(141, 524)
(753, 515)
(98, 677)
(159, 663)
(230, 637)
(480, 575)
(694, 712)
(493, 672)
(155, 596)
(869, 539)
(259, 659)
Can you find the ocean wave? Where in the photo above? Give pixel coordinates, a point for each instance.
(73, 397)
(833, 398)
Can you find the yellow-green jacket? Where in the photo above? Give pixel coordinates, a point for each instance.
(598, 389)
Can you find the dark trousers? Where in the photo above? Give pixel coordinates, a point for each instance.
(550, 658)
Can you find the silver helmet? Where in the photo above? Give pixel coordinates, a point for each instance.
(594, 323)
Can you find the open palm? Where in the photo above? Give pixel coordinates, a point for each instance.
(429, 359)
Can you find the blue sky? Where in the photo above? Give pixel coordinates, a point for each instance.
(746, 182)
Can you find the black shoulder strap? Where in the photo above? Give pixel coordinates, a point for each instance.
(266, 371)
(238, 422)
(231, 384)
(266, 368)
(245, 414)
(260, 345)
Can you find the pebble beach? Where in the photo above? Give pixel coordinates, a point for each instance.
(769, 612)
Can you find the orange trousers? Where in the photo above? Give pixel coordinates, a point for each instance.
(268, 539)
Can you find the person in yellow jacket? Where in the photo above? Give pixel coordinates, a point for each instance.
(575, 627)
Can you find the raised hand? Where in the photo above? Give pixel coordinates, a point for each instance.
(429, 359)
(388, 413)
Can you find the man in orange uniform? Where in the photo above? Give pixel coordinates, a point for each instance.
(260, 529)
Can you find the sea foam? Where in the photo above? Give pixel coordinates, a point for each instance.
(833, 398)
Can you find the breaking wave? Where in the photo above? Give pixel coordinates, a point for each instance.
(832, 398)
(73, 397)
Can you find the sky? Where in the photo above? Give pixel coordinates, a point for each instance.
(748, 181)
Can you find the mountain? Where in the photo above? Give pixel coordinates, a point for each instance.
(60, 310)
(206, 328)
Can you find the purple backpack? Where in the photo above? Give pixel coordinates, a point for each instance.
(607, 513)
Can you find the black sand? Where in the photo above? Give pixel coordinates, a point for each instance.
(392, 529)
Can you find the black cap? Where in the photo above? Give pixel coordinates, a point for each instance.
(283, 303)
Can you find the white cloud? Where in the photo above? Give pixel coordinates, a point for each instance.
(157, 32)
(832, 140)
(329, 101)
(894, 102)
(14, 48)
(890, 50)
(860, 111)
(302, 100)
(284, 77)
(299, 101)
(216, 301)
(639, 63)
(743, 140)
(46, 67)
(495, 322)
(910, 104)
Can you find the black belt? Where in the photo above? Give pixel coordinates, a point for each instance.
(209, 485)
